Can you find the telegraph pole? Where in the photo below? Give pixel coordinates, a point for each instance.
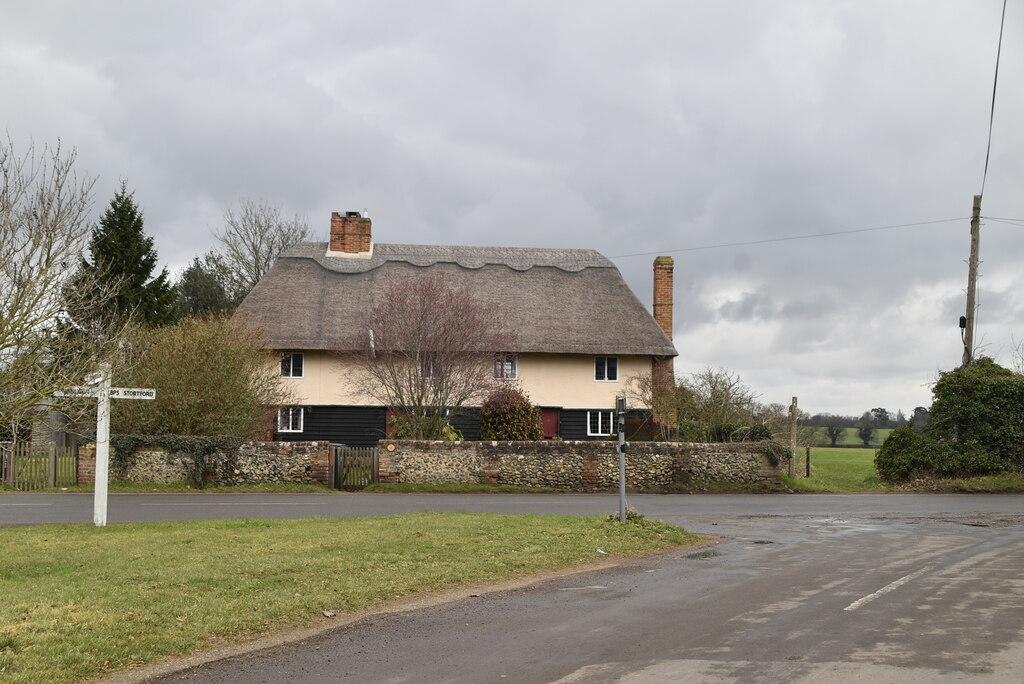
(972, 282)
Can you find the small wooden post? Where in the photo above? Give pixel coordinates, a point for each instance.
(792, 438)
(808, 461)
(51, 478)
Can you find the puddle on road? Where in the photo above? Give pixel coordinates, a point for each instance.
(703, 555)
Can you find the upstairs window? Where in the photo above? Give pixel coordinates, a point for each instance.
(506, 367)
(606, 368)
(430, 367)
(289, 419)
(599, 423)
(291, 365)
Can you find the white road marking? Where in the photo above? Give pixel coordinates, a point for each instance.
(240, 503)
(887, 588)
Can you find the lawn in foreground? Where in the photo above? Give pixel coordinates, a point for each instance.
(83, 601)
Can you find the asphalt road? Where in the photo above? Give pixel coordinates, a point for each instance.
(698, 513)
(887, 588)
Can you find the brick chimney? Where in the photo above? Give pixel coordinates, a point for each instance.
(663, 267)
(663, 368)
(350, 235)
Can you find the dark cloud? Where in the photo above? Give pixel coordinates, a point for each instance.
(641, 127)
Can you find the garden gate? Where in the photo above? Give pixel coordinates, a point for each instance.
(28, 468)
(353, 467)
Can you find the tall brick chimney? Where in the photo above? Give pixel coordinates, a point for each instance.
(663, 368)
(663, 267)
(350, 235)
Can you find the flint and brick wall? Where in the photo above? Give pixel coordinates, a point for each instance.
(254, 463)
(591, 466)
(581, 466)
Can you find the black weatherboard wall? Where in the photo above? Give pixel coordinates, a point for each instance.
(573, 424)
(351, 425)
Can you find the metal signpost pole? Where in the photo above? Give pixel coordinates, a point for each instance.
(620, 403)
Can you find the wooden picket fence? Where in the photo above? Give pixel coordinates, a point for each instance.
(30, 468)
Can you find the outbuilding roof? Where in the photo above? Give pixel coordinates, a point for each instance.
(569, 301)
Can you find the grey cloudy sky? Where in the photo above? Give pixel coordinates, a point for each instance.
(627, 127)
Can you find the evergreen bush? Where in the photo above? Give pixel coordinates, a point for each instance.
(983, 405)
(508, 415)
(908, 454)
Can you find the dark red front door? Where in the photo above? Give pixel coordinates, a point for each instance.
(549, 418)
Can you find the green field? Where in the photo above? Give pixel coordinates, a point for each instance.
(840, 470)
(849, 471)
(849, 437)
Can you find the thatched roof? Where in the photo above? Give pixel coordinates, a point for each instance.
(570, 301)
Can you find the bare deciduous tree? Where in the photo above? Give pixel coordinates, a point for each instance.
(660, 397)
(716, 403)
(429, 349)
(252, 238)
(44, 229)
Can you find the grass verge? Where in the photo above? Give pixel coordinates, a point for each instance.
(699, 487)
(1004, 483)
(83, 601)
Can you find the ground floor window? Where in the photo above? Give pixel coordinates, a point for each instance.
(599, 423)
(289, 419)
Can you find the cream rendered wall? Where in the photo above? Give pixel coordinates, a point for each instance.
(565, 380)
(326, 380)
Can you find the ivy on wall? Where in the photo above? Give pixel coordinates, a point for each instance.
(199, 448)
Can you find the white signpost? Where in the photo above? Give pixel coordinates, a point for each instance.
(104, 393)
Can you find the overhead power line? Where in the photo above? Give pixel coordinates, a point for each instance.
(789, 238)
(1008, 221)
(992, 110)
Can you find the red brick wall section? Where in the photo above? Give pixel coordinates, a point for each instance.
(86, 464)
(350, 233)
(321, 468)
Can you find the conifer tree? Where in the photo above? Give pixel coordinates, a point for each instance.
(123, 258)
(200, 292)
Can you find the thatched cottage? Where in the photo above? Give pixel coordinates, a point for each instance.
(581, 332)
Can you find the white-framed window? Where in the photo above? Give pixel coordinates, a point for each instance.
(506, 367)
(291, 365)
(606, 368)
(289, 419)
(599, 423)
(430, 367)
